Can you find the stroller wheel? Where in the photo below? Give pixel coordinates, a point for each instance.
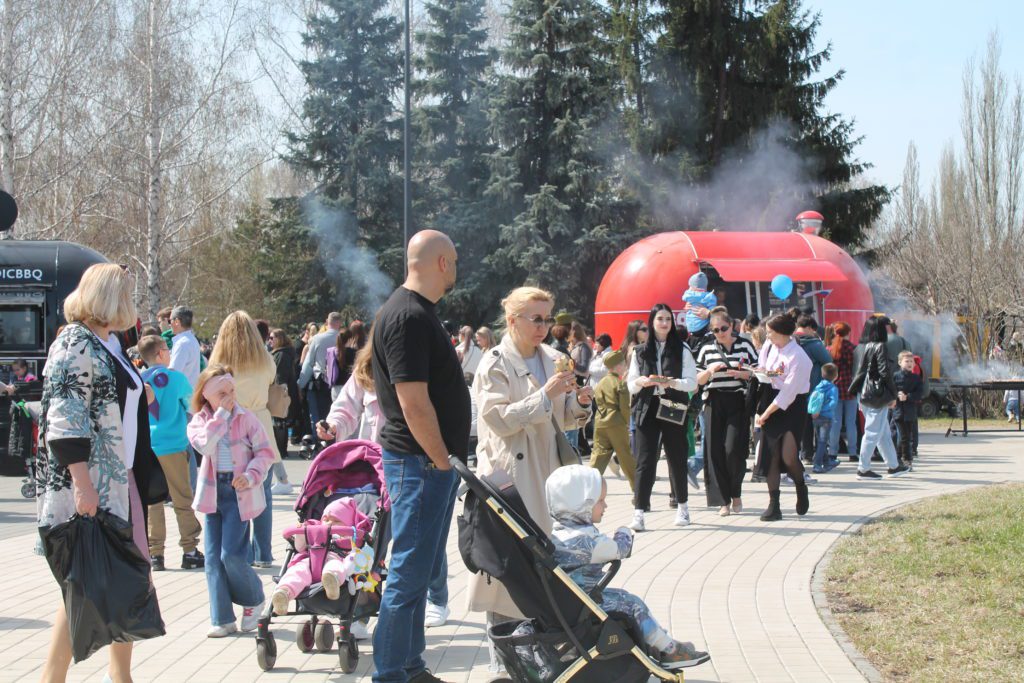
(323, 636)
(304, 637)
(348, 656)
(28, 490)
(266, 652)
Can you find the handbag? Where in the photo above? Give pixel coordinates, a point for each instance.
(278, 400)
(671, 411)
(567, 455)
(872, 391)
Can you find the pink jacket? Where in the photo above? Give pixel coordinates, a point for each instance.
(251, 455)
(352, 404)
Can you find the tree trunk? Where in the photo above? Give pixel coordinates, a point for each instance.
(154, 229)
(7, 97)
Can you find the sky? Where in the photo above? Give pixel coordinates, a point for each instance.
(904, 61)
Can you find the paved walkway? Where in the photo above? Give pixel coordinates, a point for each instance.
(735, 586)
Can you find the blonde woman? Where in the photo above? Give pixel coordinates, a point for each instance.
(94, 434)
(523, 402)
(240, 346)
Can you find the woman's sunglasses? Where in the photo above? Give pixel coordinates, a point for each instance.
(719, 330)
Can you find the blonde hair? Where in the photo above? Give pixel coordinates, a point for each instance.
(362, 368)
(904, 354)
(518, 299)
(212, 370)
(103, 297)
(486, 332)
(239, 343)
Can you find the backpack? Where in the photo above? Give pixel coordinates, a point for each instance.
(332, 374)
(816, 401)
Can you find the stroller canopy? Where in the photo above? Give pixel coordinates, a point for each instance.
(345, 465)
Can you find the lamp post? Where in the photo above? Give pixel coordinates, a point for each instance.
(406, 183)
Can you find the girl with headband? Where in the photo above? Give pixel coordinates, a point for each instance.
(236, 454)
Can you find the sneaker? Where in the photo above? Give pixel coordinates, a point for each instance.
(280, 600)
(682, 515)
(832, 464)
(250, 618)
(221, 631)
(785, 480)
(192, 560)
(262, 564)
(360, 631)
(756, 478)
(425, 677)
(737, 506)
(724, 511)
(692, 478)
(683, 656)
(638, 521)
(281, 488)
(331, 584)
(868, 474)
(818, 469)
(899, 470)
(157, 563)
(808, 479)
(436, 615)
(613, 466)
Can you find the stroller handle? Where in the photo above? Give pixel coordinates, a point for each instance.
(474, 483)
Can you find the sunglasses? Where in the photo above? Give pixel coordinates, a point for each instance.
(642, 329)
(537, 320)
(718, 330)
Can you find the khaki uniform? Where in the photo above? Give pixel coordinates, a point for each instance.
(611, 426)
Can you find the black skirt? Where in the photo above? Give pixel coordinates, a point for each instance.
(789, 421)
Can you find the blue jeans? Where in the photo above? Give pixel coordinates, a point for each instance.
(877, 433)
(422, 500)
(845, 417)
(229, 578)
(1013, 408)
(317, 412)
(822, 435)
(261, 548)
(193, 467)
(437, 591)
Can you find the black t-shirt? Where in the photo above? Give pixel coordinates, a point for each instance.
(411, 345)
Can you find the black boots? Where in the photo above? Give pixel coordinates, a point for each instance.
(802, 501)
(773, 513)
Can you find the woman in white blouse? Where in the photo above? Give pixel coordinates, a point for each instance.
(661, 372)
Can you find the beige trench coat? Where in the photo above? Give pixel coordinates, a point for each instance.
(515, 434)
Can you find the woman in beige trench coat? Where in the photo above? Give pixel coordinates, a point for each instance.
(520, 399)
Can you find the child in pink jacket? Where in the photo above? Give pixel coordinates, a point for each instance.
(343, 523)
(236, 457)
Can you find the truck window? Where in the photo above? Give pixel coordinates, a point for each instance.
(21, 328)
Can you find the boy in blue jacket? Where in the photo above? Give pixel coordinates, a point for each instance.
(822, 406)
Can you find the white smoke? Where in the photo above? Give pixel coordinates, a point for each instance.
(353, 268)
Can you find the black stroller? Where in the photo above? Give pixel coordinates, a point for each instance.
(567, 635)
(346, 469)
(22, 442)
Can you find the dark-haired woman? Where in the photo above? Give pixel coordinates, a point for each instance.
(874, 386)
(661, 371)
(781, 412)
(636, 334)
(724, 362)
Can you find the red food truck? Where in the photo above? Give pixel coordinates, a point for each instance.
(740, 267)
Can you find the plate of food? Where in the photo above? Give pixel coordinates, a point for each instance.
(765, 376)
(661, 379)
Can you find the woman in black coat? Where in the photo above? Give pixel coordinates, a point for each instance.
(285, 357)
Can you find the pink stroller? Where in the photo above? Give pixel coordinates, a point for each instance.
(349, 469)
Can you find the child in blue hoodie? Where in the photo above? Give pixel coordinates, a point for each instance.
(698, 296)
(822, 406)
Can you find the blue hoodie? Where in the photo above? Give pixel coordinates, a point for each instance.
(823, 400)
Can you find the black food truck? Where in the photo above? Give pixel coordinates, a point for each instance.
(35, 278)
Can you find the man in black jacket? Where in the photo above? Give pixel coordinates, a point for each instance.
(807, 337)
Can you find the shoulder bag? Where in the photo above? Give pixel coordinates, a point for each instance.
(278, 400)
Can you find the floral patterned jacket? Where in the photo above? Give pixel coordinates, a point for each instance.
(84, 391)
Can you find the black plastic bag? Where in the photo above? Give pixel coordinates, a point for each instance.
(105, 580)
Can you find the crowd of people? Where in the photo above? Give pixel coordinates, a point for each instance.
(206, 430)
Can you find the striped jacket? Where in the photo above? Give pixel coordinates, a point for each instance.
(251, 454)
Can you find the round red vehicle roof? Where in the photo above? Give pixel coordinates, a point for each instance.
(657, 270)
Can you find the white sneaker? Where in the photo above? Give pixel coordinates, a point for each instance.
(682, 515)
(638, 521)
(332, 587)
(360, 631)
(280, 602)
(221, 631)
(808, 479)
(250, 618)
(436, 615)
(281, 488)
(785, 480)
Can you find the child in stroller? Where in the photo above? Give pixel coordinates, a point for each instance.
(576, 500)
(343, 527)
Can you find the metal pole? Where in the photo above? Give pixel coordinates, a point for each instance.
(406, 186)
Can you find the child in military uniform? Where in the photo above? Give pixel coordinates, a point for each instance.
(611, 424)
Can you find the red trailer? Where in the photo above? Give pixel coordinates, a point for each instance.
(740, 267)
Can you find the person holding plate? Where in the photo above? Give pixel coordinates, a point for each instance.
(661, 372)
(784, 371)
(724, 362)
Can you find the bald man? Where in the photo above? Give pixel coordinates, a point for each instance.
(422, 392)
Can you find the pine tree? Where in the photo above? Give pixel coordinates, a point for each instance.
(727, 70)
(553, 114)
(453, 144)
(351, 140)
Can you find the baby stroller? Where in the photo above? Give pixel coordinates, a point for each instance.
(22, 442)
(567, 635)
(346, 469)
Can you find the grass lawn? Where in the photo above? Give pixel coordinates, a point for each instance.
(942, 422)
(935, 591)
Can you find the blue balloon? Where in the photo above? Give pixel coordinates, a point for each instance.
(782, 286)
